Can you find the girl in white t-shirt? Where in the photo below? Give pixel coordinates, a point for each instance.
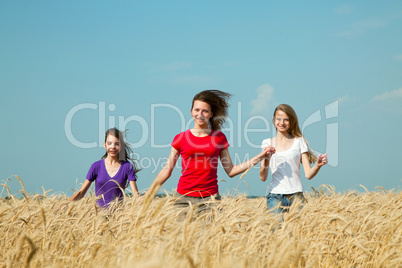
(287, 150)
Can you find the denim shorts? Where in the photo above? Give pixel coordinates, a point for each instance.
(280, 203)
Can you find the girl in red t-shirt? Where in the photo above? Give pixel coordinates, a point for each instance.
(201, 148)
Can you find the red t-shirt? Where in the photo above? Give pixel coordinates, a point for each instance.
(200, 159)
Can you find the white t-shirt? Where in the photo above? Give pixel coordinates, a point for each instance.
(285, 167)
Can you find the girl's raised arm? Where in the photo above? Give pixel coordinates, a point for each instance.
(232, 170)
(309, 171)
(165, 173)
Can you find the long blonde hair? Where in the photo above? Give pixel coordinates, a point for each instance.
(294, 129)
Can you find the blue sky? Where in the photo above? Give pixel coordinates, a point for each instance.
(338, 63)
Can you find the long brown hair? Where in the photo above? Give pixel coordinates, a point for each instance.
(219, 102)
(125, 148)
(294, 129)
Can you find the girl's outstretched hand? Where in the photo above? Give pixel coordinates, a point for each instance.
(322, 160)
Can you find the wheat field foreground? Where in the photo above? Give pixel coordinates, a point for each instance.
(332, 230)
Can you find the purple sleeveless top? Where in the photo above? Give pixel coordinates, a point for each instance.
(107, 188)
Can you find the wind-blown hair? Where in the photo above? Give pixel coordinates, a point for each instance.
(219, 102)
(294, 129)
(125, 148)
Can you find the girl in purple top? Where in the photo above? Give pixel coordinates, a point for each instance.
(112, 172)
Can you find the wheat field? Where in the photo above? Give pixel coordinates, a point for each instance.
(332, 230)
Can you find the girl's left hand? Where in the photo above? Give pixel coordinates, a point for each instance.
(322, 160)
(269, 150)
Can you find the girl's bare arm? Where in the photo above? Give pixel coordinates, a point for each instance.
(165, 173)
(134, 188)
(232, 170)
(81, 193)
(309, 171)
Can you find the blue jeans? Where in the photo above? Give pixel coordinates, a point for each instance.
(281, 202)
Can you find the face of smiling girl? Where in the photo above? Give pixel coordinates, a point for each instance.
(282, 123)
(201, 113)
(112, 146)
